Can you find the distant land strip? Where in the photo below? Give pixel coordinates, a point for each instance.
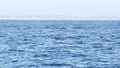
(57, 18)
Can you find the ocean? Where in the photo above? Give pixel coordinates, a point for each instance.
(59, 44)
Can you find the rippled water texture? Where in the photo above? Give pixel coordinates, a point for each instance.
(59, 44)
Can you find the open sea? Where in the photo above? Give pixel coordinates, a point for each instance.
(59, 44)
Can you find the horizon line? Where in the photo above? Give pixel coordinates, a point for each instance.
(55, 18)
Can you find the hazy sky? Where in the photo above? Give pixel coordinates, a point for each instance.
(81, 8)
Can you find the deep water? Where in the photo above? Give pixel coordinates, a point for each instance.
(59, 44)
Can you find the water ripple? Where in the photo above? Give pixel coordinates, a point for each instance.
(59, 44)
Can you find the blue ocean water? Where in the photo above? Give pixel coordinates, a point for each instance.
(59, 44)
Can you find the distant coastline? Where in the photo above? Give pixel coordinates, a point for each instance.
(57, 18)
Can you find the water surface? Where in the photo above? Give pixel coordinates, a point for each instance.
(59, 44)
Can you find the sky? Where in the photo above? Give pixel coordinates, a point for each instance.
(75, 8)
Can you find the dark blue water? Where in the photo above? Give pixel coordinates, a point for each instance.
(59, 44)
